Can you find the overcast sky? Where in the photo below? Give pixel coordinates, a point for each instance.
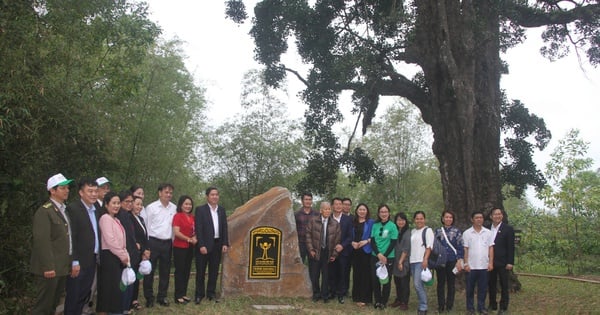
(220, 51)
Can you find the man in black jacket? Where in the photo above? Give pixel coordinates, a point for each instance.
(83, 216)
(504, 259)
(213, 241)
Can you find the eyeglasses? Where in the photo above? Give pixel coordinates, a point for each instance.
(128, 201)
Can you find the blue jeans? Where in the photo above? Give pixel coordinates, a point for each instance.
(415, 270)
(477, 278)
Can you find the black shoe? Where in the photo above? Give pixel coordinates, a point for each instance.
(325, 300)
(197, 300)
(493, 307)
(212, 298)
(149, 303)
(163, 302)
(341, 299)
(315, 298)
(377, 305)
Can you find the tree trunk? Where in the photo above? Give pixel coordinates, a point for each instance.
(461, 64)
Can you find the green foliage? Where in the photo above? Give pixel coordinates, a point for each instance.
(364, 47)
(254, 152)
(519, 126)
(411, 179)
(86, 90)
(572, 196)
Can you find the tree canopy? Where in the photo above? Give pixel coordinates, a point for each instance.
(368, 46)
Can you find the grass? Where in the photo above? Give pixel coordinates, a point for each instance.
(538, 296)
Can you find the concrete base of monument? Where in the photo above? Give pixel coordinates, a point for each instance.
(264, 259)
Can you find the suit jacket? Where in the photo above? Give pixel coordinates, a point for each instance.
(50, 250)
(504, 246)
(141, 233)
(130, 241)
(346, 237)
(205, 230)
(314, 233)
(83, 236)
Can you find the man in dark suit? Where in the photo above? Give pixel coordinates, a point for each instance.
(50, 253)
(504, 259)
(339, 278)
(213, 240)
(86, 246)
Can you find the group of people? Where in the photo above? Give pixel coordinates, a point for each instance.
(82, 248)
(335, 241)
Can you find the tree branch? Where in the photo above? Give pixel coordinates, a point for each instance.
(527, 16)
(296, 74)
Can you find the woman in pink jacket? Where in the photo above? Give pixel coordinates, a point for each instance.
(113, 257)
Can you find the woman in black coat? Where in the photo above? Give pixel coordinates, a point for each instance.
(141, 237)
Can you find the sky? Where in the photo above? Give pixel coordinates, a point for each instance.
(565, 93)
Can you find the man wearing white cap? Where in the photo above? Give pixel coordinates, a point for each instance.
(51, 250)
(103, 188)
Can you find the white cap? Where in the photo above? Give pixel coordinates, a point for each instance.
(145, 267)
(57, 180)
(382, 273)
(127, 276)
(426, 275)
(102, 180)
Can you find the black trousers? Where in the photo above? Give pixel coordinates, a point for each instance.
(182, 258)
(339, 279)
(320, 268)
(381, 293)
(402, 288)
(160, 258)
(211, 260)
(79, 290)
(446, 276)
(303, 250)
(499, 272)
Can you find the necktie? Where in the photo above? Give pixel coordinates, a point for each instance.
(324, 238)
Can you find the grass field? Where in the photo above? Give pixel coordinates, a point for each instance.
(538, 296)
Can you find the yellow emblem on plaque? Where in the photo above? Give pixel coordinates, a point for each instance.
(265, 253)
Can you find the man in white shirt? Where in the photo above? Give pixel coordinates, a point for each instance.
(159, 219)
(478, 260)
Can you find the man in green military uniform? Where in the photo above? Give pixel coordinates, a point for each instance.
(51, 250)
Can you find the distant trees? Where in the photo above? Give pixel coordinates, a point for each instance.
(87, 89)
(564, 235)
(400, 145)
(573, 193)
(256, 150)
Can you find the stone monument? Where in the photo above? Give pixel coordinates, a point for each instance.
(264, 259)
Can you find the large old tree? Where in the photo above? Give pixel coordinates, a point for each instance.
(373, 47)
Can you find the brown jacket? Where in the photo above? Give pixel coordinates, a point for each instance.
(314, 232)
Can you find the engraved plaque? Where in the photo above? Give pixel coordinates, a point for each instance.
(265, 253)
